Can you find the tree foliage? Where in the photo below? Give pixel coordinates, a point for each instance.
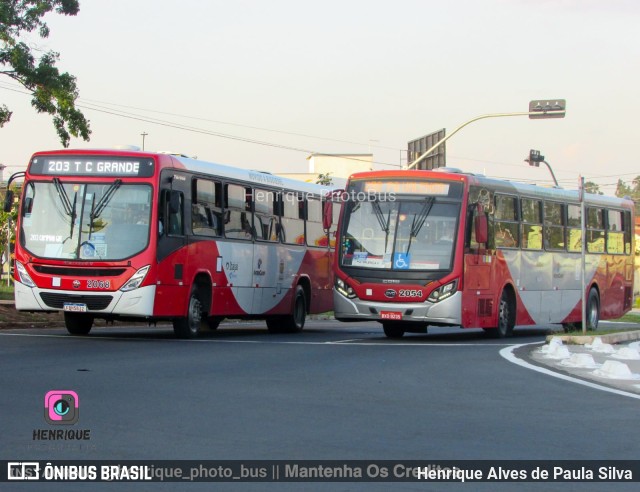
(632, 191)
(7, 228)
(52, 92)
(591, 187)
(324, 179)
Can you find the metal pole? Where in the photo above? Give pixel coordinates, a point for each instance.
(481, 117)
(8, 253)
(583, 257)
(144, 134)
(552, 174)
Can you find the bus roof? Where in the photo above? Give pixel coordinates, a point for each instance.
(500, 185)
(166, 160)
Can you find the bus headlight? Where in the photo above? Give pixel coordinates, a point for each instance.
(344, 289)
(135, 281)
(442, 293)
(24, 276)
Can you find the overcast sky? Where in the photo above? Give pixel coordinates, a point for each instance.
(350, 76)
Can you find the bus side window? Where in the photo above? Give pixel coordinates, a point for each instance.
(531, 223)
(266, 221)
(206, 212)
(627, 227)
(337, 207)
(506, 222)
(615, 233)
(574, 228)
(292, 219)
(316, 235)
(554, 226)
(595, 230)
(237, 213)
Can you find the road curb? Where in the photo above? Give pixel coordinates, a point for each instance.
(625, 336)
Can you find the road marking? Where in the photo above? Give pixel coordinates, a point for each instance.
(347, 342)
(507, 353)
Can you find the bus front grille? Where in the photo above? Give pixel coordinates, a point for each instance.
(57, 301)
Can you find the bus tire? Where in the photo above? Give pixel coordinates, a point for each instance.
(189, 326)
(506, 317)
(393, 330)
(593, 313)
(78, 323)
(294, 322)
(593, 309)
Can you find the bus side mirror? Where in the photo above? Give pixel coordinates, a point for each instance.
(327, 215)
(482, 228)
(28, 205)
(8, 201)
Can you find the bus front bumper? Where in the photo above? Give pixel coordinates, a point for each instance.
(137, 302)
(446, 312)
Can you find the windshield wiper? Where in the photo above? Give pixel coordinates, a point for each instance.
(419, 220)
(73, 215)
(104, 201)
(69, 209)
(93, 208)
(384, 223)
(62, 194)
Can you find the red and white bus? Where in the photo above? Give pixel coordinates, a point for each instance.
(144, 236)
(444, 248)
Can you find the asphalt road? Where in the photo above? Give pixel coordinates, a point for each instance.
(336, 391)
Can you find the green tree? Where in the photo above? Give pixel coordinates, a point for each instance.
(632, 191)
(324, 179)
(623, 189)
(7, 228)
(591, 187)
(52, 92)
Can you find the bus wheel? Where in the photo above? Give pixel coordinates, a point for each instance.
(593, 309)
(593, 314)
(78, 324)
(293, 322)
(393, 330)
(189, 326)
(506, 317)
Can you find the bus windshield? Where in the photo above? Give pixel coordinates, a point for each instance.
(411, 234)
(85, 221)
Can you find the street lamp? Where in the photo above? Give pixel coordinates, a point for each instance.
(535, 159)
(538, 109)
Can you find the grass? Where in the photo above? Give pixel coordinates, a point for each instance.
(6, 291)
(598, 332)
(629, 318)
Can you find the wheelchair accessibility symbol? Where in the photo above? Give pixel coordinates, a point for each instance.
(401, 261)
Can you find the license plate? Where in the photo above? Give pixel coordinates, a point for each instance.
(75, 308)
(392, 315)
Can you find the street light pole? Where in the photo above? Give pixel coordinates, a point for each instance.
(535, 159)
(583, 256)
(143, 134)
(538, 109)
